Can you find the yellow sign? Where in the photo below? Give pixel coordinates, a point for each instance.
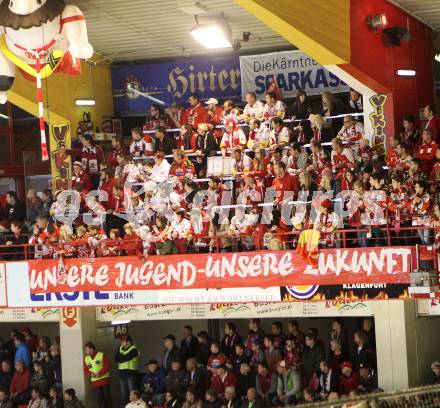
(60, 140)
(378, 123)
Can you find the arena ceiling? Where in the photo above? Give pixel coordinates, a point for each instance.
(134, 30)
(425, 10)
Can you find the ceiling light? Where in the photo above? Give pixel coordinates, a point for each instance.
(4, 116)
(406, 72)
(213, 35)
(376, 22)
(437, 57)
(85, 102)
(117, 322)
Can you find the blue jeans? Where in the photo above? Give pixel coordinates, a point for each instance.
(127, 384)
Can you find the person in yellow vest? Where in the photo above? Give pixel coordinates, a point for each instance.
(127, 358)
(97, 368)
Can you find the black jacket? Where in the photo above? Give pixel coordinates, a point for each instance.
(16, 212)
(14, 253)
(207, 144)
(244, 382)
(172, 355)
(190, 349)
(198, 381)
(5, 380)
(166, 145)
(364, 356)
(333, 385)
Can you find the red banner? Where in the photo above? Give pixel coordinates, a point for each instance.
(246, 269)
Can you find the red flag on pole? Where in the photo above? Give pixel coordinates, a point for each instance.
(273, 87)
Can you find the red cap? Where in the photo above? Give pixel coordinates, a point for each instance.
(347, 364)
(326, 203)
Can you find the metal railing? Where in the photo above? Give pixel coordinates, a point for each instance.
(421, 397)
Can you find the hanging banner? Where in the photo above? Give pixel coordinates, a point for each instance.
(20, 296)
(293, 70)
(238, 311)
(60, 140)
(231, 270)
(429, 307)
(175, 82)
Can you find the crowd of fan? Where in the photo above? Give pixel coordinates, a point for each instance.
(30, 373)
(154, 207)
(258, 370)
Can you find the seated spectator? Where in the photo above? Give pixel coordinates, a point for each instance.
(153, 384)
(231, 339)
(238, 358)
(272, 355)
(161, 168)
(351, 133)
(223, 379)
(216, 359)
(163, 141)
(367, 379)
(21, 381)
(195, 376)
(246, 379)
(254, 109)
(232, 137)
(328, 380)
(39, 379)
(349, 379)
(363, 354)
(433, 122)
(192, 399)
(18, 237)
(257, 354)
(435, 373)
(231, 400)
(55, 399)
(135, 400)
(252, 400)
(6, 375)
(33, 206)
(189, 346)
(22, 353)
(175, 377)
(37, 399)
(14, 209)
(289, 385)
(71, 400)
(274, 108)
(410, 134)
(336, 357)
(211, 400)
(266, 383)
(292, 353)
(172, 400)
(313, 354)
(171, 352)
(5, 402)
(309, 395)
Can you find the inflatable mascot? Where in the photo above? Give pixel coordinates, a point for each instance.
(40, 37)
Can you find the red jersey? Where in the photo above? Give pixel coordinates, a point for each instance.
(91, 157)
(82, 180)
(196, 115)
(285, 184)
(426, 154)
(183, 169)
(434, 125)
(343, 160)
(111, 158)
(348, 384)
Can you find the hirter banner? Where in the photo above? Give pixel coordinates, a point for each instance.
(228, 270)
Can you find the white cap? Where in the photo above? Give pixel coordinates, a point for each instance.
(212, 101)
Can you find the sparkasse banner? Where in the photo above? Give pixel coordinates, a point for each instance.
(293, 70)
